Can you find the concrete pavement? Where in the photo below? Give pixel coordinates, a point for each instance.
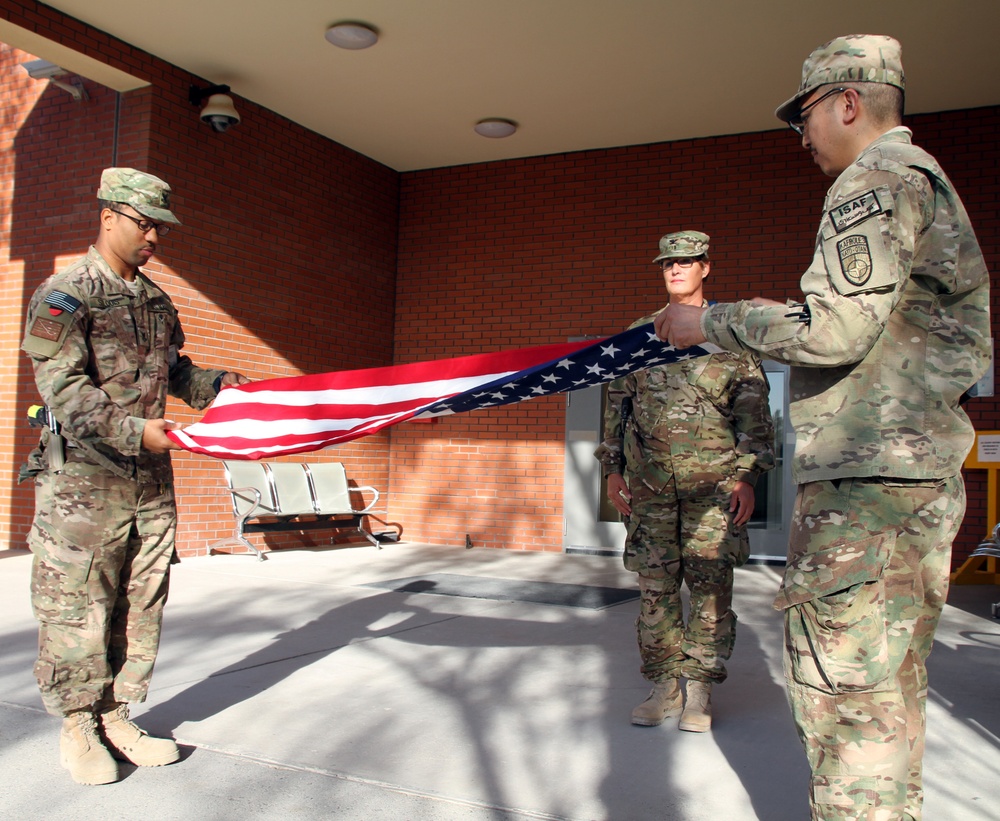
(299, 690)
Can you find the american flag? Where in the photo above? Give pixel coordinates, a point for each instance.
(279, 417)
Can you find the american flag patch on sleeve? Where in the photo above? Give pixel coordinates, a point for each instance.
(64, 302)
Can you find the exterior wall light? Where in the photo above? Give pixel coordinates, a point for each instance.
(44, 70)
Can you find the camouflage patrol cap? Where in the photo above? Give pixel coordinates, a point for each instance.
(148, 195)
(683, 244)
(854, 58)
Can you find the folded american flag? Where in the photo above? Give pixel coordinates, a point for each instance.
(278, 417)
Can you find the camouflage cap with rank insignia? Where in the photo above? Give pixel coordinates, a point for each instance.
(853, 58)
(148, 195)
(683, 244)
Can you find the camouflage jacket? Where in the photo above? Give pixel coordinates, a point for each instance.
(105, 360)
(894, 327)
(695, 424)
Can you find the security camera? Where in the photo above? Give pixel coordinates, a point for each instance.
(219, 112)
(220, 122)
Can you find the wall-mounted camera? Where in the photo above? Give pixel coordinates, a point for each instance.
(219, 111)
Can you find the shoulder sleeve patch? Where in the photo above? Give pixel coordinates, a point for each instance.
(49, 323)
(850, 213)
(46, 334)
(860, 262)
(855, 259)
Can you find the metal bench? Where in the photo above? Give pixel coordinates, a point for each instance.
(991, 550)
(290, 496)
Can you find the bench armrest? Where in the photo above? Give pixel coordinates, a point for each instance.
(371, 504)
(236, 491)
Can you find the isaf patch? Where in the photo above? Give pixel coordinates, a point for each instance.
(855, 259)
(850, 213)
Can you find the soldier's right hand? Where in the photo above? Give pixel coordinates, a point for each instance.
(154, 437)
(619, 495)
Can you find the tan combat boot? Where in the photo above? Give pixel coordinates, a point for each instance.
(128, 743)
(697, 715)
(82, 753)
(665, 699)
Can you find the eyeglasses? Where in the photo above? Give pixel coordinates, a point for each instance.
(162, 228)
(798, 122)
(682, 262)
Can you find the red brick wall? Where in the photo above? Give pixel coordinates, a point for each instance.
(285, 263)
(538, 250)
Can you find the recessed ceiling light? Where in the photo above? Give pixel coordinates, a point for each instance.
(495, 127)
(352, 36)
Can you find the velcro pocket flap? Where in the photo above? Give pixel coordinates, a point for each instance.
(815, 575)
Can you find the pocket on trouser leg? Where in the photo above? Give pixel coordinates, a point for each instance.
(635, 556)
(741, 539)
(60, 580)
(645, 530)
(835, 617)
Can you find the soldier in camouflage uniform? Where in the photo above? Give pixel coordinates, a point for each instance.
(892, 332)
(683, 472)
(104, 342)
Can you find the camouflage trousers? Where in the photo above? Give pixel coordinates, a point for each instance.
(673, 541)
(102, 548)
(866, 581)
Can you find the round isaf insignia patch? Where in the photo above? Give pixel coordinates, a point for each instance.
(855, 259)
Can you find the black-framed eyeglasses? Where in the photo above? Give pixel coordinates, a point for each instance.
(162, 228)
(680, 262)
(798, 122)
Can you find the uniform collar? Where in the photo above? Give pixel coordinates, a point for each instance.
(114, 284)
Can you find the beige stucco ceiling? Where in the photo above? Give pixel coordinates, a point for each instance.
(575, 74)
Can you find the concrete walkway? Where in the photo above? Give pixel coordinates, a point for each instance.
(298, 690)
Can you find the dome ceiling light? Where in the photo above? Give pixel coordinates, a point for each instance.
(351, 35)
(495, 128)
